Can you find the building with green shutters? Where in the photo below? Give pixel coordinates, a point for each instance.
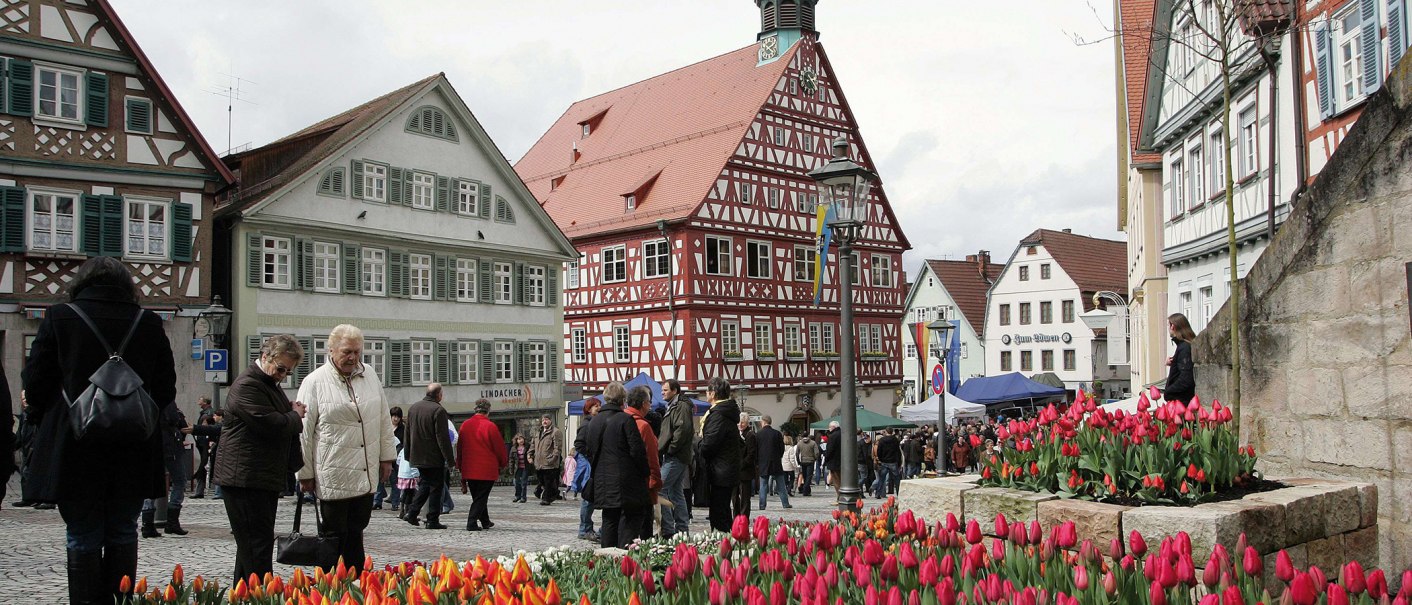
(400, 216)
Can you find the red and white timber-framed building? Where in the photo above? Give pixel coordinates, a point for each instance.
(688, 198)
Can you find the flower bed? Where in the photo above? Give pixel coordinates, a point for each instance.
(884, 557)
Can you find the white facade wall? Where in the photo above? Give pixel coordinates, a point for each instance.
(1017, 338)
(928, 301)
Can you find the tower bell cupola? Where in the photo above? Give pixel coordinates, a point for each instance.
(782, 23)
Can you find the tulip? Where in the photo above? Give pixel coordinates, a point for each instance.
(1110, 583)
(1136, 545)
(1156, 595)
(1377, 584)
(952, 524)
(907, 557)
(1337, 595)
(1406, 584)
(1284, 567)
(1115, 549)
(1036, 533)
(1081, 577)
(1209, 599)
(997, 550)
(125, 586)
(894, 596)
(1002, 528)
(740, 528)
(1317, 575)
(1212, 574)
(1186, 571)
(1232, 596)
(777, 593)
(973, 532)
(1254, 565)
(1302, 590)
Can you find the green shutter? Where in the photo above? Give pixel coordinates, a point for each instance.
(396, 273)
(443, 194)
(12, 219)
(304, 257)
(352, 263)
(521, 358)
(181, 232)
(397, 358)
(394, 185)
(484, 200)
(518, 288)
(306, 364)
(487, 362)
(551, 285)
(138, 113)
(553, 361)
(91, 223)
(111, 242)
(253, 257)
(252, 348)
(96, 112)
(20, 86)
(444, 362)
(487, 278)
(357, 179)
(332, 182)
(440, 288)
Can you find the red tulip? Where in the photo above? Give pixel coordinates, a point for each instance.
(1156, 595)
(997, 550)
(1110, 583)
(1212, 574)
(872, 553)
(929, 572)
(1354, 578)
(1209, 599)
(1081, 577)
(628, 567)
(1036, 533)
(1186, 571)
(1317, 575)
(1302, 590)
(777, 593)
(1136, 545)
(1337, 595)
(973, 532)
(894, 596)
(1232, 596)
(740, 528)
(1115, 549)
(889, 568)
(1254, 565)
(952, 524)
(1284, 567)
(1377, 584)
(1002, 528)
(1406, 589)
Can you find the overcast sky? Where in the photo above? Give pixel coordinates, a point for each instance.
(986, 120)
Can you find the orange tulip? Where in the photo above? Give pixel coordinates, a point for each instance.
(553, 597)
(125, 586)
(141, 586)
(178, 575)
(522, 572)
(241, 591)
(169, 594)
(633, 600)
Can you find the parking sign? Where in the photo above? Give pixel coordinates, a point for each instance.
(216, 360)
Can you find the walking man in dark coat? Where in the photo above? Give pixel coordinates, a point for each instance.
(619, 486)
(547, 454)
(769, 445)
(720, 451)
(833, 456)
(745, 488)
(428, 449)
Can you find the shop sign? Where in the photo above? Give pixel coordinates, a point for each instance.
(1037, 338)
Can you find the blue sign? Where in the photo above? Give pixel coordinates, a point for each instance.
(216, 360)
(198, 348)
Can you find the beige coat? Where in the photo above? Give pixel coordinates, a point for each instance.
(344, 443)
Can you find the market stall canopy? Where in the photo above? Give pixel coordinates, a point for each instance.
(1005, 388)
(867, 421)
(642, 379)
(1048, 379)
(956, 408)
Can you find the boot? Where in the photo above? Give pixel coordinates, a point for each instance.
(149, 529)
(174, 521)
(119, 560)
(86, 578)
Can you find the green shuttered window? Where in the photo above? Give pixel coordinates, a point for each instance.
(138, 112)
(12, 219)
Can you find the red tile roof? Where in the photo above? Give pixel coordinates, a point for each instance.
(681, 126)
(967, 286)
(1135, 30)
(1271, 15)
(1094, 264)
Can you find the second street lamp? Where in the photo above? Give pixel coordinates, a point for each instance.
(844, 186)
(941, 331)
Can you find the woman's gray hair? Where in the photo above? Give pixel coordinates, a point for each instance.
(639, 396)
(614, 393)
(719, 388)
(343, 333)
(281, 345)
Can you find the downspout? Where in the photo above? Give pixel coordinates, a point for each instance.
(1301, 129)
(1268, 51)
(671, 297)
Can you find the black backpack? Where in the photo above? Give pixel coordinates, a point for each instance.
(114, 407)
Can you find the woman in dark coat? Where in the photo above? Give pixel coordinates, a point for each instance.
(259, 443)
(99, 486)
(720, 451)
(1181, 380)
(618, 457)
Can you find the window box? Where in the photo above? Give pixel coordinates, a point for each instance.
(823, 354)
(794, 355)
(732, 356)
(875, 356)
(764, 355)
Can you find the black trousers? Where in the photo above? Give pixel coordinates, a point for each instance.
(252, 521)
(347, 519)
(549, 483)
(621, 526)
(744, 493)
(720, 509)
(480, 493)
(429, 489)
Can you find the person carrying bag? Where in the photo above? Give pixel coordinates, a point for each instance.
(300, 550)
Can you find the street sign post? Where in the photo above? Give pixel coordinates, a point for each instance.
(217, 365)
(938, 379)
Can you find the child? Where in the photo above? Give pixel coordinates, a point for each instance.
(407, 479)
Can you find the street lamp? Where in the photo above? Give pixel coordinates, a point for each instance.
(214, 323)
(941, 333)
(1098, 319)
(844, 186)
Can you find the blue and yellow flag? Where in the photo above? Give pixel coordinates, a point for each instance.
(824, 236)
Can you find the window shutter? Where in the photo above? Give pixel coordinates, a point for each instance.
(181, 232)
(487, 362)
(439, 284)
(253, 257)
(1323, 58)
(352, 268)
(252, 347)
(138, 115)
(110, 226)
(444, 362)
(487, 276)
(394, 186)
(484, 200)
(306, 364)
(443, 194)
(518, 279)
(1372, 68)
(21, 88)
(12, 219)
(551, 285)
(96, 112)
(1396, 32)
(305, 251)
(397, 371)
(552, 361)
(396, 273)
(521, 359)
(358, 179)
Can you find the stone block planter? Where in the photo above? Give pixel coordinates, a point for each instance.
(931, 499)
(984, 503)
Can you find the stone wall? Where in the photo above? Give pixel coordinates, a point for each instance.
(1326, 370)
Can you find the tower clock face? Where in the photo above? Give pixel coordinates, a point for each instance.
(769, 48)
(808, 81)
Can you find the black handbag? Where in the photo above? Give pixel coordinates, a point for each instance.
(298, 549)
(114, 407)
(701, 483)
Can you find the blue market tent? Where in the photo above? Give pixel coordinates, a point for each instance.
(991, 390)
(642, 379)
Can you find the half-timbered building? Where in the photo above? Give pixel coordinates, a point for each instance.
(97, 158)
(688, 197)
(402, 217)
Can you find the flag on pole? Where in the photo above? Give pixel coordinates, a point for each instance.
(922, 338)
(824, 236)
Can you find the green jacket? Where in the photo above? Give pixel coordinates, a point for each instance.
(678, 430)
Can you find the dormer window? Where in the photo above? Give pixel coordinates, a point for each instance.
(555, 182)
(630, 200)
(587, 129)
(589, 125)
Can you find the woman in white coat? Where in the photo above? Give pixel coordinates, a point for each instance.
(790, 463)
(348, 442)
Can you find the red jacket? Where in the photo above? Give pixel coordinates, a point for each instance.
(654, 462)
(480, 450)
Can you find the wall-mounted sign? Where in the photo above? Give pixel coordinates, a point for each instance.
(1038, 338)
(509, 394)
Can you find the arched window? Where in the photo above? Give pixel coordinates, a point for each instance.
(503, 212)
(431, 121)
(767, 17)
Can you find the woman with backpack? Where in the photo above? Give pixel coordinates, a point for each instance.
(99, 480)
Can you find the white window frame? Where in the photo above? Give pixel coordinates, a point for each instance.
(730, 337)
(468, 198)
(722, 257)
(327, 265)
(855, 277)
(276, 262)
(1208, 303)
(1178, 188)
(375, 356)
(911, 351)
(1046, 360)
(1026, 314)
(654, 252)
(772, 197)
(805, 258)
(1024, 273)
(826, 337)
(1003, 314)
(40, 69)
(537, 358)
(578, 343)
(423, 191)
(1070, 360)
(372, 272)
(1218, 162)
(1045, 272)
(1006, 361)
(622, 344)
(1348, 55)
(745, 192)
(1046, 312)
(881, 271)
(320, 352)
(163, 233)
(467, 362)
(1026, 361)
(467, 280)
(503, 275)
(1066, 311)
(779, 130)
(374, 181)
(419, 275)
(421, 359)
(792, 338)
(32, 218)
(764, 338)
(630, 201)
(1248, 147)
(615, 256)
(571, 275)
(1196, 174)
(816, 339)
(534, 285)
(504, 361)
(754, 262)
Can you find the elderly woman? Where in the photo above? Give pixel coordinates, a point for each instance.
(619, 485)
(348, 441)
(481, 455)
(259, 442)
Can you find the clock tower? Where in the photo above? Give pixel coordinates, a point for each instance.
(782, 23)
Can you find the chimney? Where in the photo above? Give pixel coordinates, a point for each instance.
(1067, 230)
(574, 156)
(982, 263)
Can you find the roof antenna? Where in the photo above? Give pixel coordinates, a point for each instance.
(232, 92)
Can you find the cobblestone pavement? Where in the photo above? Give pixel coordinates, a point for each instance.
(32, 541)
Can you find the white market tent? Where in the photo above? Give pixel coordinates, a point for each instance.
(956, 408)
(1128, 405)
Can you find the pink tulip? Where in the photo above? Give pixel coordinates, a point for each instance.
(777, 593)
(1253, 564)
(1232, 596)
(1210, 599)
(1354, 578)
(1081, 577)
(906, 556)
(872, 553)
(1337, 595)
(1136, 545)
(1110, 583)
(1377, 584)
(740, 528)
(1002, 528)
(973, 532)
(1302, 590)
(1284, 567)
(1156, 595)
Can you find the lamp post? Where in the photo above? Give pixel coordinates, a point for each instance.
(213, 323)
(941, 331)
(1098, 319)
(844, 186)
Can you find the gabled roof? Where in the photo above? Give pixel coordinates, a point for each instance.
(308, 147)
(1094, 264)
(1135, 31)
(126, 38)
(967, 286)
(685, 124)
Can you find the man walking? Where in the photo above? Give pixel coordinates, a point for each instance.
(912, 447)
(887, 452)
(203, 447)
(428, 449)
(748, 471)
(769, 447)
(675, 447)
(548, 452)
(808, 452)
